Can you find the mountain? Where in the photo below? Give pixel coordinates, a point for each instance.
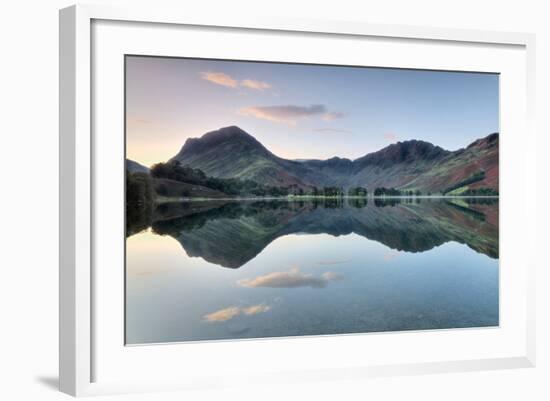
(230, 152)
(135, 167)
(457, 167)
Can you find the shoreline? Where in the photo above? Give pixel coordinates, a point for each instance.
(312, 197)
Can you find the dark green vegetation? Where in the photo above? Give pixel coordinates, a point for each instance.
(357, 191)
(387, 192)
(231, 233)
(476, 177)
(231, 153)
(479, 192)
(169, 178)
(139, 202)
(175, 171)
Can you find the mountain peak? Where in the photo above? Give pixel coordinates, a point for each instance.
(402, 152)
(230, 136)
(229, 131)
(489, 141)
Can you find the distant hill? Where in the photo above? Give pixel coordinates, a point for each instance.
(230, 152)
(135, 167)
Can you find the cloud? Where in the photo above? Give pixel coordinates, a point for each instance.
(333, 115)
(226, 314)
(222, 315)
(290, 279)
(332, 130)
(283, 114)
(220, 78)
(257, 85)
(223, 79)
(288, 114)
(391, 137)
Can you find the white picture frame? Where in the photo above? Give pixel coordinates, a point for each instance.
(78, 210)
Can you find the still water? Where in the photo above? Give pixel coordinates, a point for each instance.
(210, 270)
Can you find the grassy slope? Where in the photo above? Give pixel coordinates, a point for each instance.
(166, 188)
(458, 167)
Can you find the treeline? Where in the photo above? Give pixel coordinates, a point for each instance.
(174, 170)
(139, 202)
(382, 191)
(337, 192)
(480, 192)
(480, 175)
(231, 186)
(358, 191)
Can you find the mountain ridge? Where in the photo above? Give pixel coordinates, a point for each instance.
(230, 152)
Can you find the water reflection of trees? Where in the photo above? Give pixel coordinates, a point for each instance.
(383, 202)
(358, 202)
(481, 201)
(231, 233)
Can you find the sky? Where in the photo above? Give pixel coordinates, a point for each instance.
(300, 111)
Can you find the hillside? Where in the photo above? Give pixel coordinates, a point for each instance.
(135, 167)
(456, 167)
(230, 152)
(175, 189)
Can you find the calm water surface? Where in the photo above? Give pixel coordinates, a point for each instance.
(215, 270)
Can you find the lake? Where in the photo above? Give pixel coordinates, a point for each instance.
(213, 270)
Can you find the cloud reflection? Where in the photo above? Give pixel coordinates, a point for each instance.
(226, 314)
(222, 315)
(293, 278)
(255, 309)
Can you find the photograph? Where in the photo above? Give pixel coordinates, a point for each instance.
(271, 199)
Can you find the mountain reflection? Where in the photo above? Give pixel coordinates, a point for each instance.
(231, 233)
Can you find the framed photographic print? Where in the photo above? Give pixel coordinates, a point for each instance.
(273, 201)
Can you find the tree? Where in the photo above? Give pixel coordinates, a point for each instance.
(357, 191)
(480, 175)
(330, 191)
(382, 191)
(174, 170)
(139, 202)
